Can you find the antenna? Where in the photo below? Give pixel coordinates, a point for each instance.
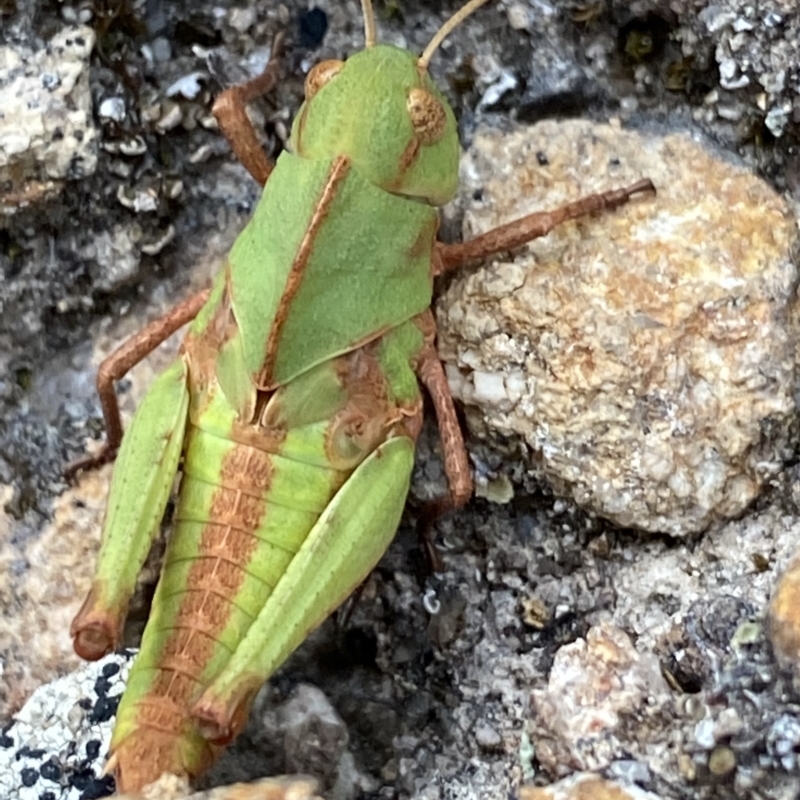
(369, 23)
(445, 30)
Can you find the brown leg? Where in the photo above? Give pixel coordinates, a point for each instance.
(130, 353)
(229, 110)
(456, 461)
(540, 223)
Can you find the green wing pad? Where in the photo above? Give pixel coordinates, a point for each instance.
(368, 269)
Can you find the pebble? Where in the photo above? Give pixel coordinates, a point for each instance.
(487, 737)
(722, 761)
(112, 108)
(596, 688)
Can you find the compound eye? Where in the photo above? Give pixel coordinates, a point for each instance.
(427, 115)
(320, 74)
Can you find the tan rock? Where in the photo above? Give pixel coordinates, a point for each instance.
(645, 357)
(170, 787)
(585, 786)
(784, 616)
(38, 604)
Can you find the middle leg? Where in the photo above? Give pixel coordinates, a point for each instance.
(514, 234)
(454, 452)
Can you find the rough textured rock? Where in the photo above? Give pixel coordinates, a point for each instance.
(642, 362)
(756, 50)
(40, 603)
(47, 133)
(699, 610)
(585, 786)
(313, 740)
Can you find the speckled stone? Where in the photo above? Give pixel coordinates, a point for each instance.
(585, 786)
(57, 744)
(642, 361)
(47, 133)
(58, 741)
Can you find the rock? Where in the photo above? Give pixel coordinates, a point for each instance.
(116, 256)
(642, 361)
(596, 688)
(753, 59)
(695, 610)
(784, 616)
(47, 134)
(487, 737)
(417, 715)
(711, 585)
(59, 739)
(315, 737)
(170, 787)
(40, 602)
(301, 733)
(585, 786)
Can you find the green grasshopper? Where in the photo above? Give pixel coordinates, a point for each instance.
(294, 406)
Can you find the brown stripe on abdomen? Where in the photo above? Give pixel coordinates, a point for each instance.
(203, 598)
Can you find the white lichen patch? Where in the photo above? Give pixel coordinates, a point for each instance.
(47, 133)
(644, 356)
(55, 748)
